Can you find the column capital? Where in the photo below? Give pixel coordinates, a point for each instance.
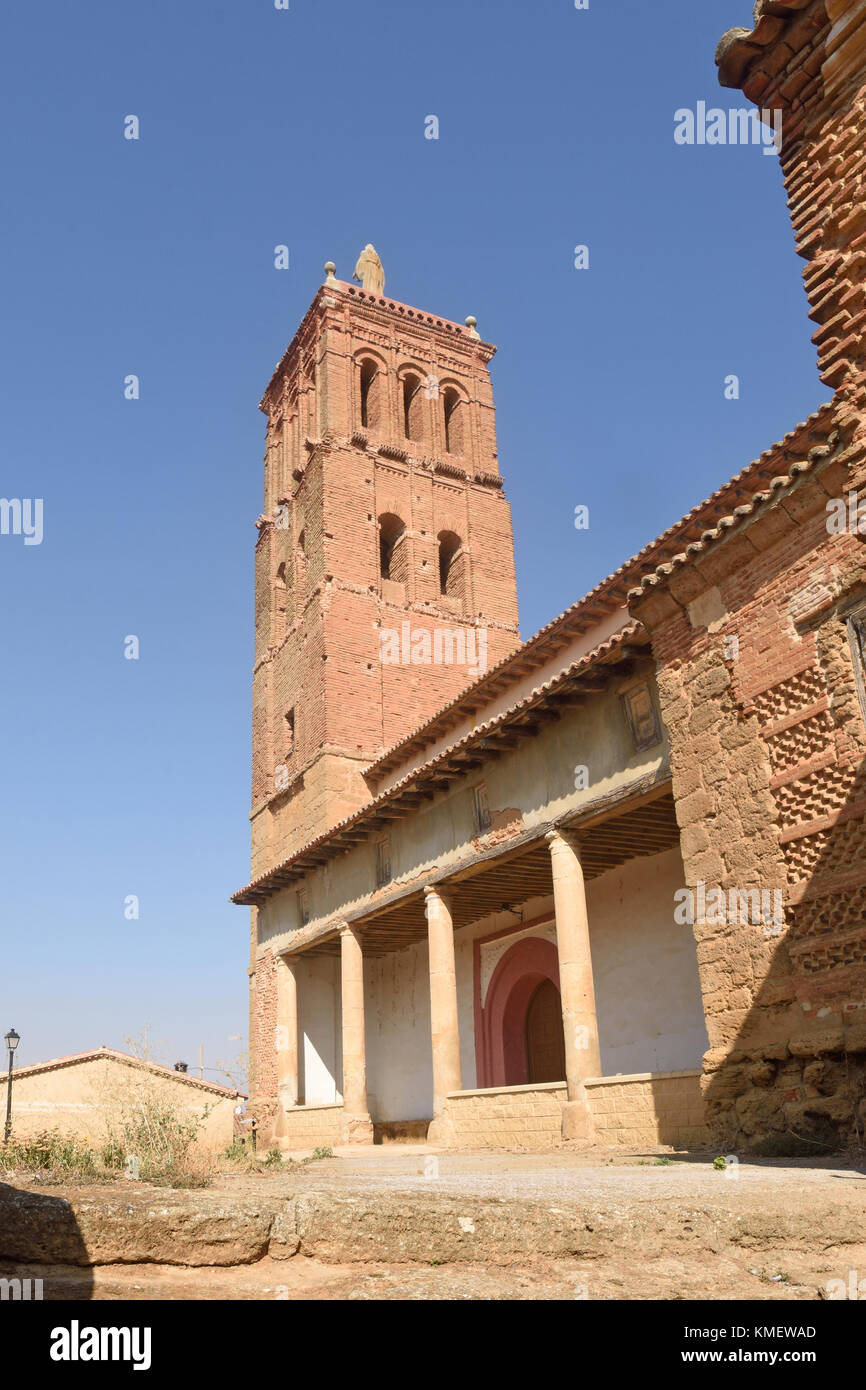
(437, 890)
(560, 836)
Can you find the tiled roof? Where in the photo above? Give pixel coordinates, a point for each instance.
(109, 1052)
(777, 484)
(610, 594)
(737, 48)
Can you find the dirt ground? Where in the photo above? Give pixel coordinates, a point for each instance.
(648, 1227)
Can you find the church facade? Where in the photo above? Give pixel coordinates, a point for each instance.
(606, 885)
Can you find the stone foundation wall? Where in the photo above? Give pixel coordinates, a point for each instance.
(520, 1117)
(311, 1127)
(647, 1109)
(634, 1111)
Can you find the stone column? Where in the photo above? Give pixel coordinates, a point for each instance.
(357, 1125)
(582, 1054)
(447, 1075)
(286, 1040)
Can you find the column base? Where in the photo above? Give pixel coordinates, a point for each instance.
(576, 1122)
(285, 1102)
(357, 1129)
(440, 1131)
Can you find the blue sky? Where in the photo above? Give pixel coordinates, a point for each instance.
(155, 257)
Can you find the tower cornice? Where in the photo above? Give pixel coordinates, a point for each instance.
(341, 297)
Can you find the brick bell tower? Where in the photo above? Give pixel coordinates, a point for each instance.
(384, 564)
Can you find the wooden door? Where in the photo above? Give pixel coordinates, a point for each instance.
(545, 1042)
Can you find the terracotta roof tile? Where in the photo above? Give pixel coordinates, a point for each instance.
(611, 593)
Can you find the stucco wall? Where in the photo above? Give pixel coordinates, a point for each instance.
(647, 988)
(77, 1098)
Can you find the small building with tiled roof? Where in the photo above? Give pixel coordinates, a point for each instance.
(81, 1094)
(605, 885)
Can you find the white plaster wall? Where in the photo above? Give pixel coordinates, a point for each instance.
(646, 982)
(647, 991)
(399, 1056)
(321, 1041)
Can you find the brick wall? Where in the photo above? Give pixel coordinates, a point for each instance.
(519, 1117)
(321, 601)
(756, 678)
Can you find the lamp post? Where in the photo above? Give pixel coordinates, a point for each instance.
(12, 1041)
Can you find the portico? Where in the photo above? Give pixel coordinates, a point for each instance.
(442, 998)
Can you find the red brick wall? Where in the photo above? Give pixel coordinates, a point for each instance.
(318, 647)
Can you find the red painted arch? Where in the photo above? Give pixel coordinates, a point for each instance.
(503, 1014)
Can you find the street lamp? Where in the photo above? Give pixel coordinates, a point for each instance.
(12, 1041)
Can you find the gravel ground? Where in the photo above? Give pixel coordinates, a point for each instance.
(546, 1177)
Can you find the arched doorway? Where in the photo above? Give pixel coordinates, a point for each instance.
(521, 1030)
(545, 1041)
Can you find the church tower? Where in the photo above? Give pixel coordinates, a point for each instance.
(384, 564)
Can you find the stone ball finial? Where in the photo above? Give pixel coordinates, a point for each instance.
(471, 324)
(329, 273)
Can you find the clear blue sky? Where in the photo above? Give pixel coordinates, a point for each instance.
(155, 257)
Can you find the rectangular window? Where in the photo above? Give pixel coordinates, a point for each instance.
(643, 719)
(290, 731)
(383, 862)
(481, 800)
(303, 907)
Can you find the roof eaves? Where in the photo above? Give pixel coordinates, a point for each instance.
(94, 1054)
(769, 496)
(606, 592)
(266, 884)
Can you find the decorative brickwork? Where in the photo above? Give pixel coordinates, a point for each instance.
(757, 683)
(384, 508)
(349, 548)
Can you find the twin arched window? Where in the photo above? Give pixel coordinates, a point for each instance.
(394, 556)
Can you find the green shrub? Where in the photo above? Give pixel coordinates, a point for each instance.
(51, 1155)
(152, 1132)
